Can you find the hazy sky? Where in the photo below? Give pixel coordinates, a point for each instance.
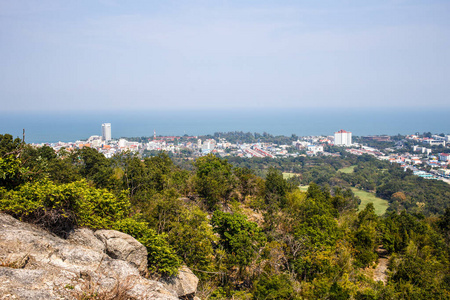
(90, 55)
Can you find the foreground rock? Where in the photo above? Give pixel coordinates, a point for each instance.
(35, 264)
(122, 246)
(86, 237)
(184, 284)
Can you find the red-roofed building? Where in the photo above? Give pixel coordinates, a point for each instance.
(343, 138)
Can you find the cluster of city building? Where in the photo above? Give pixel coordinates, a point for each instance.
(434, 140)
(104, 143)
(422, 161)
(312, 145)
(192, 146)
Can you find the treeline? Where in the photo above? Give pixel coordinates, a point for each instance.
(248, 137)
(234, 137)
(245, 236)
(403, 190)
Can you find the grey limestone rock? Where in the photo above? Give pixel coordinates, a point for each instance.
(184, 284)
(123, 246)
(36, 264)
(86, 237)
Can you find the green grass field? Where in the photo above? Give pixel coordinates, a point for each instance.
(380, 204)
(287, 175)
(303, 188)
(347, 170)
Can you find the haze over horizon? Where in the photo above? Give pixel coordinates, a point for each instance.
(116, 55)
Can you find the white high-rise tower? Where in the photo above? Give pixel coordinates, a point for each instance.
(106, 131)
(343, 138)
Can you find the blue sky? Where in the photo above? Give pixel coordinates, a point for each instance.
(96, 55)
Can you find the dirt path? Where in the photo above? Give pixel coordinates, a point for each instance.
(380, 273)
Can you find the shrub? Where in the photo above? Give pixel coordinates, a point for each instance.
(239, 237)
(161, 257)
(273, 287)
(59, 208)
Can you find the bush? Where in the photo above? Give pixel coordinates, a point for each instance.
(273, 287)
(161, 257)
(60, 208)
(239, 237)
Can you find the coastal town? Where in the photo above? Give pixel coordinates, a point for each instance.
(426, 155)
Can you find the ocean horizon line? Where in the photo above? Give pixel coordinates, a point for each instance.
(72, 125)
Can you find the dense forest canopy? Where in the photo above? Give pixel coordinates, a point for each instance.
(246, 231)
(387, 180)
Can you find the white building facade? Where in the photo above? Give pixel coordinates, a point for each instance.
(106, 131)
(343, 138)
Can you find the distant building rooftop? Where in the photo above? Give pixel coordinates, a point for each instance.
(343, 131)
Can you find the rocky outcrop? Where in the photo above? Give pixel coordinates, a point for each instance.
(122, 246)
(184, 284)
(35, 264)
(86, 237)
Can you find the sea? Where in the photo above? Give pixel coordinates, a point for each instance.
(51, 127)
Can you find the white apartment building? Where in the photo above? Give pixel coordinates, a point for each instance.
(422, 149)
(209, 144)
(106, 131)
(433, 142)
(95, 140)
(315, 148)
(444, 157)
(343, 138)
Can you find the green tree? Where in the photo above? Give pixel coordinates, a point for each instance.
(44, 162)
(344, 200)
(11, 168)
(94, 166)
(276, 188)
(9, 145)
(193, 238)
(273, 287)
(365, 236)
(248, 184)
(214, 179)
(240, 238)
